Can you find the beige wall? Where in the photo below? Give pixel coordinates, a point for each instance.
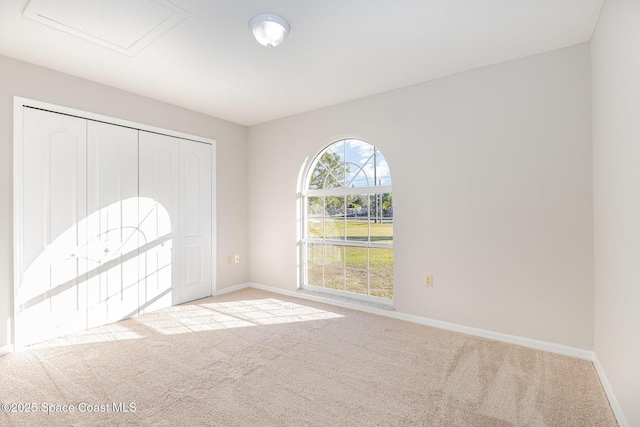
(493, 191)
(29, 81)
(616, 139)
(492, 178)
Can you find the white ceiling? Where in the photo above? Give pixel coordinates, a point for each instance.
(338, 50)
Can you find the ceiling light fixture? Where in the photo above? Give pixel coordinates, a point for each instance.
(268, 29)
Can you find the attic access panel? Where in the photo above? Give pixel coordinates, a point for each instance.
(126, 26)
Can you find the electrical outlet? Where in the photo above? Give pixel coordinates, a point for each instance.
(236, 259)
(229, 260)
(428, 280)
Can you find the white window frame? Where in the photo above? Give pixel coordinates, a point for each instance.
(306, 193)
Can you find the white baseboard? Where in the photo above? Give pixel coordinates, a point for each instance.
(613, 401)
(511, 339)
(231, 289)
(498, 336)
(6, 350)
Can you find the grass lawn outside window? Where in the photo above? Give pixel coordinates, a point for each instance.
(348, 224)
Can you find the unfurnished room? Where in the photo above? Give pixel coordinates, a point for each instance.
(320, 213)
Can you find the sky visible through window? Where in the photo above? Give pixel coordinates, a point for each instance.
(351, 163)
(348, 238)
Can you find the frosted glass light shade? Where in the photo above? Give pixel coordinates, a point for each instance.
(269, 30)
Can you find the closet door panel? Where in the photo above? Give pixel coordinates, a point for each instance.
(112, 222)
(50, 294)
(195, 220)
(113, 232)
(159, 213)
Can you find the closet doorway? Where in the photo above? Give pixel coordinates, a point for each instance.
(111, 219)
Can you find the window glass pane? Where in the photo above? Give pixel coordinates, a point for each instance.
(381, 285)
(334, 256)
(314, 253)
(356, 275)
(358, 152)
(356, 258)
(382, 231)
(383, 177)
(359, 160)
(336, 150)
(357, 177)
(358, 229)
(328, 171)
(334, 278)
(376, 206)
(314, 275)
(386, 204)
(333, 178)
(316, 179)
(334, 206)
(333, 174)
(357, 281)
(315, 216)
(381, 223)
(334, 222)
(358, 218)
(362, 218)
(314, 264)
(381, 260)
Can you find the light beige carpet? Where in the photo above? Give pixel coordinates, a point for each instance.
(253, 358)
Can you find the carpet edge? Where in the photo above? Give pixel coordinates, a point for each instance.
(608, 390)
(483, 333)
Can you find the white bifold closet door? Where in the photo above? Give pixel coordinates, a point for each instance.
(159, 215)
(195, 220)
(112, 223)
(50, 294)
(115, 222)
(175, 220)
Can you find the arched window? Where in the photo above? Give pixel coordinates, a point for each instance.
(348, 223)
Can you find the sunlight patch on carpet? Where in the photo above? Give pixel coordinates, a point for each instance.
(197, 317)
(234, 314)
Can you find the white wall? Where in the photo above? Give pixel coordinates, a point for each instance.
(492, 178)
(616, 139)
(30, 81)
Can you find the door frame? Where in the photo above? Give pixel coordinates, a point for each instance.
(18, 105)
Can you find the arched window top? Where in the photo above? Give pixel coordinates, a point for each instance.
(349, 163)
(347, 234)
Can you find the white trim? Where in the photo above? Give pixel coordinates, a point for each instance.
(231, 289)
(483, 333)
(346, 191)
(352, 243)
(511, 339)
(18, 214)
(6, 350)
(214, 221)
(613, 400)
(26, 102)
(339, 293)
(498, 336)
